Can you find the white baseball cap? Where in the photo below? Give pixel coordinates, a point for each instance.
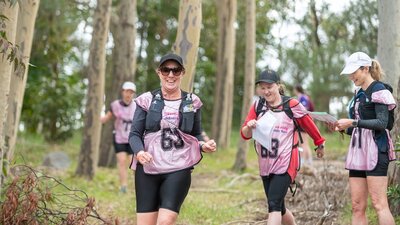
(355, 61)
(129, 86)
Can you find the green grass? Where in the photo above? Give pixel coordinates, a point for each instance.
(213, 198)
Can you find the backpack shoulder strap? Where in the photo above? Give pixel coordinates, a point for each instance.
(286, 106)
(259, 106)
(286, 100)
(186, 99)
(157, 93)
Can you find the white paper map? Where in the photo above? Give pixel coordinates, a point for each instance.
(263, 131)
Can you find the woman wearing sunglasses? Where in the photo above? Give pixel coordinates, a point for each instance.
(166, 139)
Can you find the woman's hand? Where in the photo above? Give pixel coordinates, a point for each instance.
(144, 157)
(209, 146)
(343, 124)
(320, 152)
(252, 124)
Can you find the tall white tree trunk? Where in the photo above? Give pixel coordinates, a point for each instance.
(389, 41)
(123, 31)
(223, 100)
(10, 27)
(188, 39)
(25, 28)
(389, 57)
(96, 72)
(249, 80)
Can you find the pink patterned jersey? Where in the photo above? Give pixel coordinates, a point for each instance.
(172, 150)
(363, 155)
(123, 120)
(277, 159)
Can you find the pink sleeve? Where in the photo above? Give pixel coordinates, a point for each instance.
(144, 100)
(384, 97)
(299, 110)
(197, 104)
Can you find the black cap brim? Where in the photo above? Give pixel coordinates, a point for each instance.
(266, 81)
(170, 57)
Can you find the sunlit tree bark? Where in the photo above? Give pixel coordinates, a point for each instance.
(123, 69)
(25, 26)
(223, 98)
(389, 57)
(9, 27)
(250, 70)
(188, 39)
(96, 72)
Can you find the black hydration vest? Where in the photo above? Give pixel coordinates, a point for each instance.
(186, 112)
(367, 108)
(366, 111)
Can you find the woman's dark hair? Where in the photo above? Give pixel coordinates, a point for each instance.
(299, 88)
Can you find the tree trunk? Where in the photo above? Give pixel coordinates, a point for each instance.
(188, 39)
(223, 99)
(25, 28)
(124, 67)
(389, 57)
(96, 71)
(249, 84)
(9, 27)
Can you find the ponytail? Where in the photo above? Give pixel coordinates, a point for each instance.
(376, 70)
(281, 88)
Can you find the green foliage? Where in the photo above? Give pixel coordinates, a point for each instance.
(316, 58)
(55, 88)
(394, 195)
(157, 25)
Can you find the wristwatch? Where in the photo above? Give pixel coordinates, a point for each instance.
(321, 146)
(354, 123)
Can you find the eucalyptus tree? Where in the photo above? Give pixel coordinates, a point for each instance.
(8, 31)
(25, 28)
(249, 80)
(188, 38)
(88, 155)
(389, 57)
(123, 68)
(223, 100)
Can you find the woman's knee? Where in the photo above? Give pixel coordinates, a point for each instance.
(379, 203)
(358, 207)
(166, 217)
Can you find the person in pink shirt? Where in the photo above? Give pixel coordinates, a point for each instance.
(279, 160)
(166, 137)
(371, 147)
(122, 110)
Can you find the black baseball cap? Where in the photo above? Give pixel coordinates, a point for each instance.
(171, 56)
(268, 76)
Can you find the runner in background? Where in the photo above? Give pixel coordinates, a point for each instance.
(305, 150)
(122, 110)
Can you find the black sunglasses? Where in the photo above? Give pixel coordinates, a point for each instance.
(176, 71)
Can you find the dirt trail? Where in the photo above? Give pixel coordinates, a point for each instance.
(321, 195)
